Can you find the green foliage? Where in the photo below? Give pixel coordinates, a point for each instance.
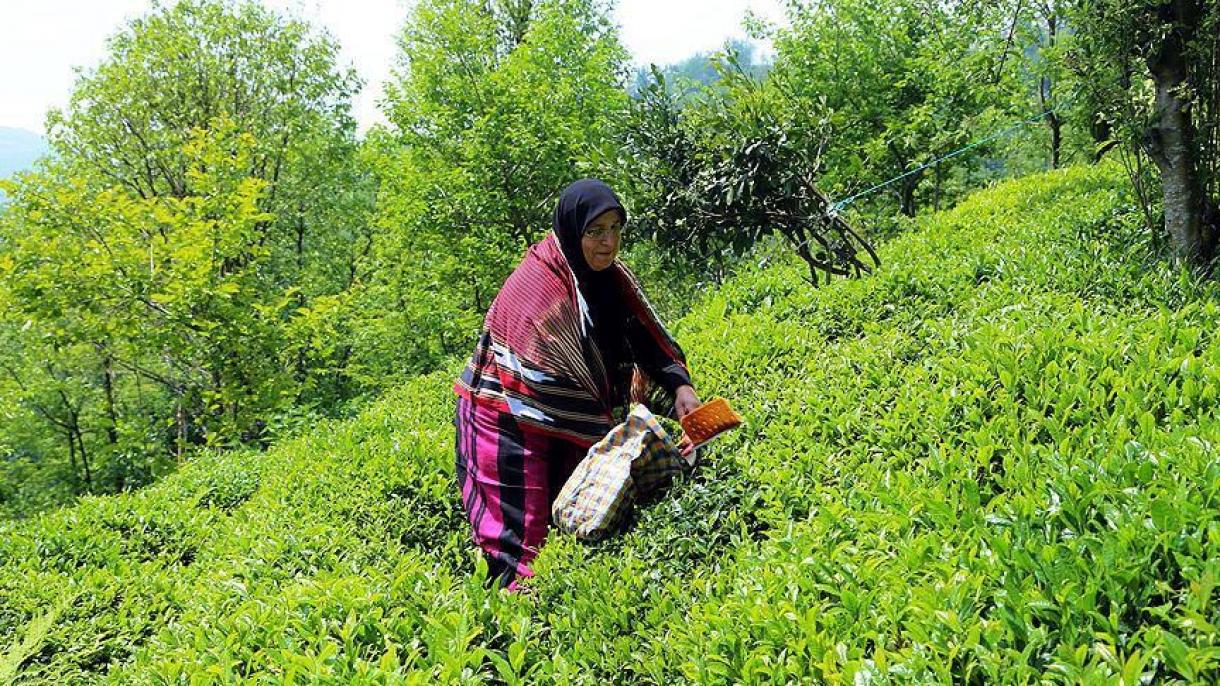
(994, 461)
(168, 288)
(900, 87)
(158, 276)
(736, 164)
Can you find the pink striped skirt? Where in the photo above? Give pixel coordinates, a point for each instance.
(509, 476)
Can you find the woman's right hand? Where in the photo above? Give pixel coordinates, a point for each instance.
(685, 401)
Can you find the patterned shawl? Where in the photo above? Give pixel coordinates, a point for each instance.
(536, 359)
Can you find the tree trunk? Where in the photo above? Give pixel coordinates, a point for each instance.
(1047, 95)
(180, 420)
(906, 194)
(112, 431)
(1056, 127)
(478, 293)
(300, 373)
(84, 461)
(906, 189)
(1170, 141)
(72, 457)
(1103, 142)
(84, 456)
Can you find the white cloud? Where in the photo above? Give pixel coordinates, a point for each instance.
(40, 42)
(666, 31)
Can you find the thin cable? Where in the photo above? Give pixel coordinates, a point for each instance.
(840, 204)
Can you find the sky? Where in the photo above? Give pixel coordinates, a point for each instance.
(41, 41)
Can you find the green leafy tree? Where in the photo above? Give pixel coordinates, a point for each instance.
(902, 85)
(162, 273)
(494, 108)
(1047, 67)
(1157, 79)
(739, 162)
(187, 66)
(123, 307)
(1043, 32)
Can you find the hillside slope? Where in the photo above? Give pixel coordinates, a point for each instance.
(993, 460)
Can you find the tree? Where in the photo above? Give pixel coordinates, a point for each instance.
(494, 108)
(1047, 18)
(902, 84)
(206, 191)
(107, 291)
(1173, 44)
(183, 68)
(739, 162)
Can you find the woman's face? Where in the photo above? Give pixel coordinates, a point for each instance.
(601, 240)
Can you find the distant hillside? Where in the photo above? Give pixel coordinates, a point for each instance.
(18, 150)
(700, 68)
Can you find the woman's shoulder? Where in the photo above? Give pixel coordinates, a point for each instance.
(537, 284)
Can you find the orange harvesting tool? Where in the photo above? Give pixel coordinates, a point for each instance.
(710, 420)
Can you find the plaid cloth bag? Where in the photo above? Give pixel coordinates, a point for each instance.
(635, 458)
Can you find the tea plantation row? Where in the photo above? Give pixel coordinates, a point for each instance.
(994, 461)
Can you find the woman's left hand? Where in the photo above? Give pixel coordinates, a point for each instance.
(685, 401)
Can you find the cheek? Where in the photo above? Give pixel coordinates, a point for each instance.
(593, 259)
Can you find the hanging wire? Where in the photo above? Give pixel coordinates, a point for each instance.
(838, 205)
(835, 207)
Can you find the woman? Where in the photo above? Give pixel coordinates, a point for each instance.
(567, 342)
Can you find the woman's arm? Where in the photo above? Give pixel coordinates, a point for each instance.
(671, 374)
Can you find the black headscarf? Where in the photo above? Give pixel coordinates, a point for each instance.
(580, 203)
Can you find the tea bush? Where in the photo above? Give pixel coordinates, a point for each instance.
(994, 461)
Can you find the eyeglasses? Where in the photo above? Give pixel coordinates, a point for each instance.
(602, 232)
